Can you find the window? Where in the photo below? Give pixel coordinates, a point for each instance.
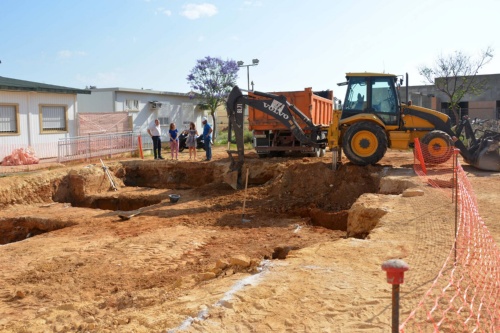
(187, 107)
(163, 121)
(8, 119)
(384, 100)
(132, 105)
(53, 118)
(356, 100)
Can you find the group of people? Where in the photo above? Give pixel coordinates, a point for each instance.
(154, 130)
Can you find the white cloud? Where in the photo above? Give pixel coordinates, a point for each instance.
(163, 11)
(194, 11)
(253, 3)
(66, 54)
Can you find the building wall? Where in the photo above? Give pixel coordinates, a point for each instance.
(482, 109)
(171, 107)
(97, 101)
(482, 106)
(44, 144)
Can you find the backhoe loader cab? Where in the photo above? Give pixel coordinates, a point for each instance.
(372, 93)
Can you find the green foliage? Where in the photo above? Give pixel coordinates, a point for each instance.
(222, 137)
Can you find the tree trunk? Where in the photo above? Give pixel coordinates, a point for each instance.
(456, 114)
(214, 133)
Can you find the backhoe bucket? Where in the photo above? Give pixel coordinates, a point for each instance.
(232, 178)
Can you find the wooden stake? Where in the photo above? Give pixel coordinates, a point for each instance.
(245, 198)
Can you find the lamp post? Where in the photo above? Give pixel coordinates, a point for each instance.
(255, 62)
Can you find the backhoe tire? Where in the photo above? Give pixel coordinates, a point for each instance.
(437, 147)
(364, 143)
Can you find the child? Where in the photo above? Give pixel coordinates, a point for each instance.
(174, 140)
(191, 140)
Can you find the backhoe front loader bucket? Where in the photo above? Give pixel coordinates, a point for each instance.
(483, 152)
(486, 154)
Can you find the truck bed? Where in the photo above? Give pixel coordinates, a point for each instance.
(318, 109)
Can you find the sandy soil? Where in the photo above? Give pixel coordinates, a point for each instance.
(305, 257)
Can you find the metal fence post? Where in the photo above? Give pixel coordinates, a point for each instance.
(88, 145)
(395, 269)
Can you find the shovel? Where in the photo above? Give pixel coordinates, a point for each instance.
(127, 215)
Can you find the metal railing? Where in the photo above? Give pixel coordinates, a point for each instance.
(91, 146)
(85, 147)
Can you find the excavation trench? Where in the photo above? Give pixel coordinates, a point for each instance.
(18, 229)
(101, 273)
(309, 191)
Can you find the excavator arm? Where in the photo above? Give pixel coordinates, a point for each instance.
(276, 106)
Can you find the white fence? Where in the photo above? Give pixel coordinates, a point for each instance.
(92, 146)
(81, 148)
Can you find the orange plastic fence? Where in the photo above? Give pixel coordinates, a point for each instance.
(465, 295)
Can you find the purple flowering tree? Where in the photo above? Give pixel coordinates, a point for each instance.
(212, 80)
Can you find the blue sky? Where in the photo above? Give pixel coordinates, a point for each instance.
(153, 44)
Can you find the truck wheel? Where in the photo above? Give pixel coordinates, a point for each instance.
(364, 143)
(322, 151)
(263, 155)
(437, 147)
(318, 152)
(277, 153)
(315, 153)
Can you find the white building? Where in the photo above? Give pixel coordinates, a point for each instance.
(36, 115)
(142, 107)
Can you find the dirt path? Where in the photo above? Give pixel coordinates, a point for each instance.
(197, 266)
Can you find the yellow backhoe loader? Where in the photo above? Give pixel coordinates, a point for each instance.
(371, 119)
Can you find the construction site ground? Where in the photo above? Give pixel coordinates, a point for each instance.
(304, 255)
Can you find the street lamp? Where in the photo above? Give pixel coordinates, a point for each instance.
(255, 62)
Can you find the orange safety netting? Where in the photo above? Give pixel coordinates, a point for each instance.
(465, 295)
(20, 156)
(101, 123)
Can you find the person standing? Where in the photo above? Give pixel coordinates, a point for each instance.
(207, 138)
(174, 141)
(191, 140)
(154, 130)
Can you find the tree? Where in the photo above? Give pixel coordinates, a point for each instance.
(456, 75)
(212, 80)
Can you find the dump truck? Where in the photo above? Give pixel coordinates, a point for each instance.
(372, 119)
(271, 137)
